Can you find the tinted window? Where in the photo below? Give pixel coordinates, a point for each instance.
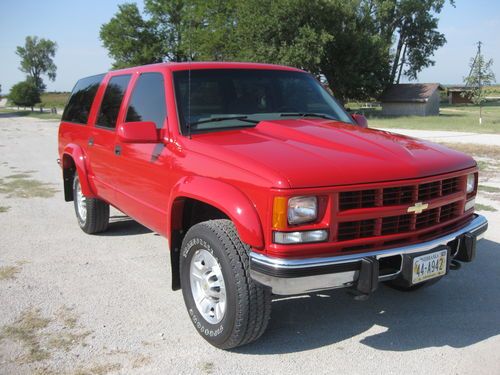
(148, 100)
(78, 107)
(112, 100)
(255, 94)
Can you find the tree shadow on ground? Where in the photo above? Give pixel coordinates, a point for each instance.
(460, 310)
(11, 114)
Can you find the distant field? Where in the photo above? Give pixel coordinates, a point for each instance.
(54, 99)
(50, 99)
(452, 117)
(492, 90)
(36, 113)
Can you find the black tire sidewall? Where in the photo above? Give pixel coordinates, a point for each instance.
(216, 334)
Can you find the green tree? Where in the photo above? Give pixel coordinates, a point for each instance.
(480, 75)
(170, 24)
(37, 59)
(130, 39)
(25, 94)
(413, 26)
(358, 46)
(335, 39)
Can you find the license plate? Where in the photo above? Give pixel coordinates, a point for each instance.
(429, 266)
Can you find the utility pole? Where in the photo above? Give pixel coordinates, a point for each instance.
(477, 60)
(480, 84)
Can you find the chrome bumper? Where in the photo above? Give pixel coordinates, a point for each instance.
(295, 276)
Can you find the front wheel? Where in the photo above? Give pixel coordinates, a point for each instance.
(225, 305)
(92, 214)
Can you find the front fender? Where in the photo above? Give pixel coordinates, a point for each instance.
(74, 153)
(227, 199)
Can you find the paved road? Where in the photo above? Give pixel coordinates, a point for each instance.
(451, 137)
(102, 304)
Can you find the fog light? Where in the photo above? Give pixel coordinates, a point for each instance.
(300, 237)
(469, 204)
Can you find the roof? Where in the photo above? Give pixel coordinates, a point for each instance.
(209, 65)
(459, 88)
(409, 92)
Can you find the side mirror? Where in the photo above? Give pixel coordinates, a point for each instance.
(138, 132)
(360, 120)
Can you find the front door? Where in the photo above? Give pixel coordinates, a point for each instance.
(143, 168)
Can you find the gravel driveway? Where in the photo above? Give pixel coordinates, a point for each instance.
(71, 303)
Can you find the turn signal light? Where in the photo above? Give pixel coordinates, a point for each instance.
(279, 213)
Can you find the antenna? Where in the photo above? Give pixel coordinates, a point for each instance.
(189, 77)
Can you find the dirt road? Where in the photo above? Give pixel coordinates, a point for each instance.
(71, 303)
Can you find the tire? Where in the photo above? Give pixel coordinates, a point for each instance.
(211, 249)
(92, 214)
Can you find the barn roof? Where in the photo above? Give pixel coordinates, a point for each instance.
(409, 92)
(459, 88)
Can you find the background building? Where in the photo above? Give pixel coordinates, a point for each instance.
(411, 99)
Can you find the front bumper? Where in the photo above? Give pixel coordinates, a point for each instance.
(362, 271)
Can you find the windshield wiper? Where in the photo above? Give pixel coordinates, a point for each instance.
(216, 119)
(308, 114)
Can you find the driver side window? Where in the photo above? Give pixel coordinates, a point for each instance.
(148, 100)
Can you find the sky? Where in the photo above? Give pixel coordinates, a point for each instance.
(75, 25)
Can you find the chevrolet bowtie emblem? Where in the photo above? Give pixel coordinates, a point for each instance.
(418, 208)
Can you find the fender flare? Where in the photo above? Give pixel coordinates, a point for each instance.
(227, 199)
(76, 153)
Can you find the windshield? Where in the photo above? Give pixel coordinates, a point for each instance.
(221, 99)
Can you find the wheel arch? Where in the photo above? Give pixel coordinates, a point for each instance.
(73, 160)
(221, 200)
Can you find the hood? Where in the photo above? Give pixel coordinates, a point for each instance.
(315, 153)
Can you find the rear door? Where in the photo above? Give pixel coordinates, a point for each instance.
(143, 168)
(73, 128)
(101, 143)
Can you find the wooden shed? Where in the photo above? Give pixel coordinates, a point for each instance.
(411, 99)
(456, 95)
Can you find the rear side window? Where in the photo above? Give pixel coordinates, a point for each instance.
(112, 100)
(78, 108)
(148, 100)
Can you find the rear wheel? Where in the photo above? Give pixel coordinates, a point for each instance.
(225, 305)
(92, 213)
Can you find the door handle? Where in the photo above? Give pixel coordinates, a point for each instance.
(91, 141)
(118, 150)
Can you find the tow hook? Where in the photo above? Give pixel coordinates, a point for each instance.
(358, 296)
(455, 265)
(367, 280)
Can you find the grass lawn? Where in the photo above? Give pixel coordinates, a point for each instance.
(36, 114)
(452, 117)
(54, 99)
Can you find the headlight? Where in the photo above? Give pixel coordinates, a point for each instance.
(471, 182)
(302, 210)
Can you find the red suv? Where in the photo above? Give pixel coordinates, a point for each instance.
(262, 184)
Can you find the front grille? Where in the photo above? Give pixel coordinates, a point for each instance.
(395, 224)
(356, 229)
(392, 196)
(357, 199)
(427, 218)
(397, 195)
(374, 224)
